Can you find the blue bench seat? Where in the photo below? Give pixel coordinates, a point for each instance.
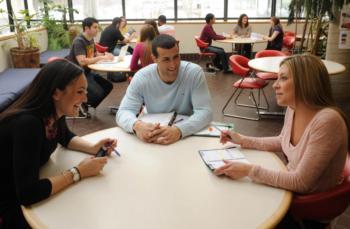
(44, 56)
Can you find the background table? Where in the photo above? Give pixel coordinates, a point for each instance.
(123, 66)
(241, 40)
(156, 186)
(272, 64)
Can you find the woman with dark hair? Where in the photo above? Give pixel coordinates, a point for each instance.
(154, 24)
(275, 38)
(30, 130)
(113, 38)
(142, 55)
(243, 29)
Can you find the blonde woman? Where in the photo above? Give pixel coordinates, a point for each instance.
(316, 154)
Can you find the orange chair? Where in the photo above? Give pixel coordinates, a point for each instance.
(100, 48)
(323, 206)
(289, 33)
(267, 53)
(239, 65)
(202, 45)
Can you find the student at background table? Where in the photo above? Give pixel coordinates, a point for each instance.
(30, 130)
(142, 55)
(275, 37)
(243, 29)
(154, 24)
(316, 154)
(168, 85)
(208, 35)
(113, 38)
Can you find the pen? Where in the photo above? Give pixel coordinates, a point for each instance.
(177, 121)
(114, 150)
(171, 122)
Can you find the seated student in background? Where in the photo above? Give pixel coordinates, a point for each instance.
(164, 28)
(83, 53)
(30, 130)
(315, 153)
(168, 85)
(243, 29)
(112, 37)
(143, 50)
(208, 35)
(154, 24)
(275, 38)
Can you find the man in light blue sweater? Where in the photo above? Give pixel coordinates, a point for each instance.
(168, 85)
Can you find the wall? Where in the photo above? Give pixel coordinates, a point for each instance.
(185, 32)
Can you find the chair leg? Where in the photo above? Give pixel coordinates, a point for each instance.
(253, 106)
(240, 116)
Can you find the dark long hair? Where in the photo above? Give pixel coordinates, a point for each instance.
(154, 24)
(240, 21)
(38, 95)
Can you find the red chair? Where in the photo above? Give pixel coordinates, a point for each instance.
(202, 45)
(289, 33)
(288, 44)
(239, 65)
(323, 206)
(100, 48)
(267, 53)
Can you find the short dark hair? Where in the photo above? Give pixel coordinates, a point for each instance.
(162, 19)
(209, 17)
(163, 41)
(89, 21)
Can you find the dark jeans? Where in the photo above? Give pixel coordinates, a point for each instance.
(288, 222)
(98, 89)
(220, 60)
(13, 218)
(244, 49)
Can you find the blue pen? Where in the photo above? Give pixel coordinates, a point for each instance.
(114, 150)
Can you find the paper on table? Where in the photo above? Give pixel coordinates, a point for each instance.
(162, 118)
(256, 36)
(214, 158)
(214, 129)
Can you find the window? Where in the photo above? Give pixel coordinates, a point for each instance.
(149, 9)
(253, 8)
(282, 8)
(99, 9)
(200, 8)
(17, 6)
(4, 20)
(35, 7)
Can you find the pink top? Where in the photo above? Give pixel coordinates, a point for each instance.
(315, 164)
(136, 58)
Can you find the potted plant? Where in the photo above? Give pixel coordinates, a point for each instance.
(26, 54)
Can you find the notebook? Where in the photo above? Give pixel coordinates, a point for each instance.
(214, 129)
(119, 58)
(213, 158)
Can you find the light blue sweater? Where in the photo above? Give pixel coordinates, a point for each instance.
(187, 95)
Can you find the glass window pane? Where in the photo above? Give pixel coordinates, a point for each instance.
(200, 8)
(100, 9)
(282, 8)
(17, 5)
(253, 8)
(149, 9)
(4, 20)
(34, 7)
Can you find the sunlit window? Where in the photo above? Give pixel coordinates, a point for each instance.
(253, 8)
(200, 8)
(282, 8)
(149, 9)
(99, 9)
(4, 21)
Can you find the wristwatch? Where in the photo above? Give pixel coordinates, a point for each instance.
(76, 174)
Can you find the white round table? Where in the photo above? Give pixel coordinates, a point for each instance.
(272, 64)
(241, 40)
(155, 186)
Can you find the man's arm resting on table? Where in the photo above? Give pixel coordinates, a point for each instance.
(84, 61)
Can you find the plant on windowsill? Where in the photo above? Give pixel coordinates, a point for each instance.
(26, 54)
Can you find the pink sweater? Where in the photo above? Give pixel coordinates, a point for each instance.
(315, 163)
(136, 59)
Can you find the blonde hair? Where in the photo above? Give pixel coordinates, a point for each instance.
(312, 85)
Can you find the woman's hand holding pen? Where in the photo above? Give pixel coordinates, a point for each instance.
(230, 136)
(107, 143)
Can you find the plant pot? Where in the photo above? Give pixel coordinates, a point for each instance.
(25, 58)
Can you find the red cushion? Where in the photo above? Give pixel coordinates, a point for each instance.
(267, 75)
(250, 83)
(207, 54)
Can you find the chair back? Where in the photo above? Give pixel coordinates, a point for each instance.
(288, 42)
(323, 206)
(100, 48)
(289, 33)
(201, 44)
(266, 53)
(239, 65)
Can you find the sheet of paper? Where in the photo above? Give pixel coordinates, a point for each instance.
(214, 129)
